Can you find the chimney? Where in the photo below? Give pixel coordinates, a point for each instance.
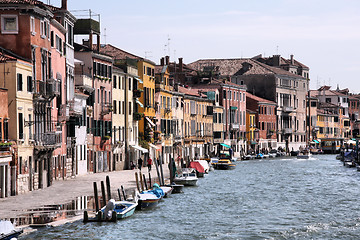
(64, 4)
(181, 65)
(276, 60)
(162, 61)
(167, 60)
(292, 59)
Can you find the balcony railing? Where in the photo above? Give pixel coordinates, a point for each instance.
(287, 109)
(75, 108)
(83, 81)
(53, 87)
(49, 139)
(138, 116)
(137, 93)
(48, 89)
(235, 126)
(287, 131)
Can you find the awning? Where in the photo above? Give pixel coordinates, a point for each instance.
(150, 122)
(153, 146)
(233, 108)
(140, 104)
(137, 147)
(225, 145)
(316, 141)
(139, 80)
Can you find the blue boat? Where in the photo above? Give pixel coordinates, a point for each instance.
(148, 199)
(123, 209)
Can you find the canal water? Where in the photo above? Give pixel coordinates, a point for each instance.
(261, 199)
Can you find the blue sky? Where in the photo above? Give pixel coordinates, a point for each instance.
(324, 35)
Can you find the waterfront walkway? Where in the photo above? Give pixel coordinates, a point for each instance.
(62, 192)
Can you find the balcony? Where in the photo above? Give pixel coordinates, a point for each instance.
(75, 108)
(53, 87)
(167, 110)
(63, 113)
(234, 126)
(106, 108)
(49, 140)
(47, 89)
(138, 116)
(5, 149)
(287, 131)
(177, 138)
(287, 109)
(84, 81)
(137, 93)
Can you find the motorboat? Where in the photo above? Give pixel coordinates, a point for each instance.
(123, 209)
(204, 164)
(349, 164)
(8, 231)
(147, 199)
(303, 155)
(186, 177)
(259, 156)
(177, 188)
(249, 157)
(200, 171)
(225, 164)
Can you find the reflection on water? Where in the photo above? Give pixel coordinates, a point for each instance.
(51, 213)
(260, 199)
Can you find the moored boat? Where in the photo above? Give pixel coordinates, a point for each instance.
(186, 177)
(167, 190)
(225, 164)
(8, 231)
(123, 209)
(147, 200)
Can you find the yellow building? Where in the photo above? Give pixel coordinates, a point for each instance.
(146, 71)
(19, 81)
(164, 108)
(198, 123)
(251, 130)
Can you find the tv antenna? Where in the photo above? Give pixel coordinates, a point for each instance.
(105, 35)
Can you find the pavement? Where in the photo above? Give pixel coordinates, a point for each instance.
(64, 191)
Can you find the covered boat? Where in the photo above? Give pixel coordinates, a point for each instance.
(8, 231)
(200, 171)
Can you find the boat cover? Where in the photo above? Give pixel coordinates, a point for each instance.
(6, 227)
(197, 166)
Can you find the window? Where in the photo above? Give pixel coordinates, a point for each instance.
(21, 126)
(59, 45)
(114, 107)
(129, 108)
(29, 84)
(130, 84)
(114, 81)
(32, 25)
(52, 40)
(9, 24)
(19, 82)
(328, 100)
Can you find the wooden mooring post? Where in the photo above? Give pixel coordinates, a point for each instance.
(103, 193)
(96, 197)
(146, 186)
(108, 187)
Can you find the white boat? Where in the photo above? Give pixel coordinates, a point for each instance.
(303, 156)
(204, 164)
(186, 177)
